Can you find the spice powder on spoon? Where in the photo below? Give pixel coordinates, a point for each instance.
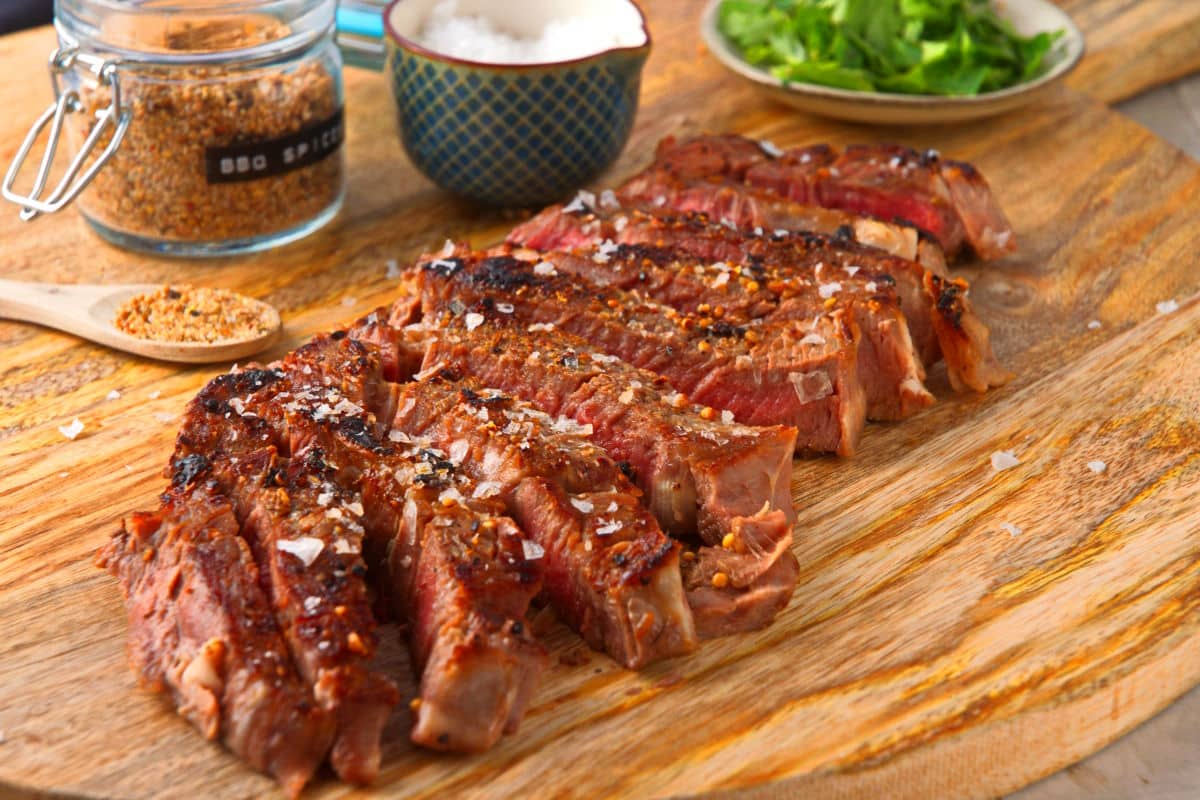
(187, 314)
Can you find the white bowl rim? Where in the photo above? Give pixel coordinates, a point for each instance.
(723, 51)
(390, 34)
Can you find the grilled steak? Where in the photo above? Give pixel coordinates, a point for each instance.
(743, 206)
(307, 540)
(940, 318)
(804, 375)
(455, 568)
(455, 565)
(732, 607)
(948, 199)
(201, 628)
(610, 572)
(699, 473)
(889, 370)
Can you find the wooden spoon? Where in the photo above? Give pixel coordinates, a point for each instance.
(88, 311)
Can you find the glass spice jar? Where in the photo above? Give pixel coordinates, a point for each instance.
(202, 127)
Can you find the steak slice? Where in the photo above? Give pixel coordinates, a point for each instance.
(459, 576)
(699, 472)
(748, 207)
(724, 481)
(804, 375)
(306, 537)
(941, 320)
(949, 199)
(610, 572)
(730, 608)
(201, 628)
(454, 568)
(889, 369)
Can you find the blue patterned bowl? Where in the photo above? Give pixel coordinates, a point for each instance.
(511, 134)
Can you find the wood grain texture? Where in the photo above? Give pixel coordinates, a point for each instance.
(926, 653)
(1134, 45)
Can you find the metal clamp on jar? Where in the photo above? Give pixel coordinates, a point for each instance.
(200, 128)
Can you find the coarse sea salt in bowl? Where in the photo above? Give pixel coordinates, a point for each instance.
(516, 103)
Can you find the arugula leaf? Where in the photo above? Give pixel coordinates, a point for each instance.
(947, 47)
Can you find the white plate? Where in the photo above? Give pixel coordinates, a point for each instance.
(1027, 16)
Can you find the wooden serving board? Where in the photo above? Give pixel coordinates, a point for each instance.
(927, 652)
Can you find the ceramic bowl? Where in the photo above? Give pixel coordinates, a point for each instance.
(1027, 16)
(512, 134)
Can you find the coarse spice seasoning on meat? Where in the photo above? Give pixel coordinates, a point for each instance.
(186, 314)
(219, 152)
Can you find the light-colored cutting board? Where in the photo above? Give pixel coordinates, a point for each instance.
(926, 653)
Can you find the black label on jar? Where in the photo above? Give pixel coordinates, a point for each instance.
(250, 161)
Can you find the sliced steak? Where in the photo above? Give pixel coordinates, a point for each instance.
(610, 572)
(800, 374)
(201, 628)
(941, 320)
(949, 199)
(727, 482)
(454, 565)
(721, 608)
(306, 537)
(699, 471)
(889, 369)
(747, 207)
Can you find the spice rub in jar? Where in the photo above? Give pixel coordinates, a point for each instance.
(219, 152)
(187, 314)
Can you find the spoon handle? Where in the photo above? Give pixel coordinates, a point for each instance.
(60, 306)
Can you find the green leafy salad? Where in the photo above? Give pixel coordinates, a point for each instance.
(943, 47)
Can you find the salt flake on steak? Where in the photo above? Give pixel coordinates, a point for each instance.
(608, 528)
(1167, 306)
(473, 320)
(1097, 466)
(770, 148)
(544, 268)
(584, 506)
(112, 395)
(485, 489)
(1004, 459)
(306, 548)
(828, 290)
(811, 386)
(533, 550)
(1010, 529)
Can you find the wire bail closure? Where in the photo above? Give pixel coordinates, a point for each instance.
(114, 117)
